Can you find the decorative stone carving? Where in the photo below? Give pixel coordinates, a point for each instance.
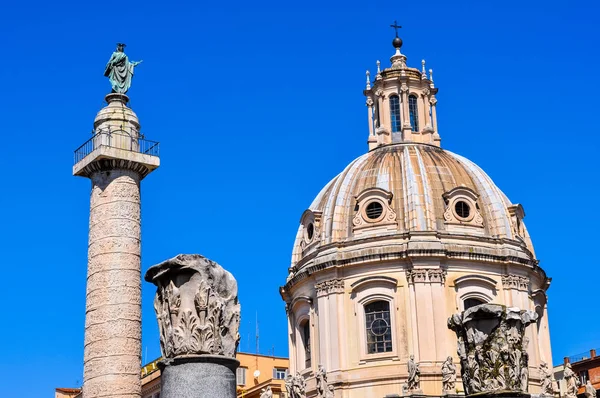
(416, 275)
(311, 223)
(492, 349)
(590, 391)
(387, 216)
(369, 102)
(330, 394)
(572, 382)
(414, 375)
(546, 380)
(268, 393)
(295, 386)
(510, 281)
(196, 306)
(330, 286)
(423, 275)
(448, 377)
(470, 214)
(324, 390)
(436, 275)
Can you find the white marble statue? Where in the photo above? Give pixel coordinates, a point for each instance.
(448, 376)
(295, 386)
(267, 393)
(414, 374)
(546, 380)
(330, 394)
(572, 382)
(590, 391)
(321, 377)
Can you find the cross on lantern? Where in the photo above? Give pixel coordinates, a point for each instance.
(396, 27)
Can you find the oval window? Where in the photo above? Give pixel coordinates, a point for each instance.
(462, 208)
(310, 230)
(374, 210)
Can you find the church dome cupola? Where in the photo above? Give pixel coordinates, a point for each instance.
(401, 103)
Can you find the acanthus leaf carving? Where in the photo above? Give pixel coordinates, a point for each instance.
(492, 348)
(329, 286)
(423, 275)
(196, 307)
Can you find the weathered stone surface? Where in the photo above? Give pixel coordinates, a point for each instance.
(546, 381)
(295, 386)
(198, 376)
(196, 306)
(448, 377)
(112, 351)
(572, 382)
(492, 348)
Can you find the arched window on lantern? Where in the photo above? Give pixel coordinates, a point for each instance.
(414, 112)
(395, 113)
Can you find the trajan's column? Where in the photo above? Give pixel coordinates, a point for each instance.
(116, 158)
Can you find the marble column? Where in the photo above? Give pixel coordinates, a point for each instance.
(111, 159)
(112, 353)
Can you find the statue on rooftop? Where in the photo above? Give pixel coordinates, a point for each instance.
(448, 376)
(295, 386)
(546, 380)
(413, 374)
(590, 391)
(119, 70)
(268, 393)
(572, 381)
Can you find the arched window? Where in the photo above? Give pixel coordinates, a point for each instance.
(378, 326)
(305, 332)
(414, 112)
(472, 302)
(395, 113)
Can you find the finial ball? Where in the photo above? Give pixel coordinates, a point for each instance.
(397, 42)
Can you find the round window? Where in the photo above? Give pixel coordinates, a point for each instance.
(374, 210)
(310, 230)
(379, 327)
(462, 208)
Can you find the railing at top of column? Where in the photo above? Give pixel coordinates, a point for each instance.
(118, 138)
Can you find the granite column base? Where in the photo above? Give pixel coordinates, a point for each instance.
(198, 376)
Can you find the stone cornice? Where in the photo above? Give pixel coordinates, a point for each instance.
(400, 252)
(107, 164)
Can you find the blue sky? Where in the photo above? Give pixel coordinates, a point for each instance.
(257, 105)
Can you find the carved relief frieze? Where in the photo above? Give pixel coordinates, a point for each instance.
(423, 275)
(330, 286)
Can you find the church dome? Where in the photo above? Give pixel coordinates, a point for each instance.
(411, 188)
(407, 235)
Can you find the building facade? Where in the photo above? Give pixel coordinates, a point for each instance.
(586, 365)
(405, 236)
(255, 374)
